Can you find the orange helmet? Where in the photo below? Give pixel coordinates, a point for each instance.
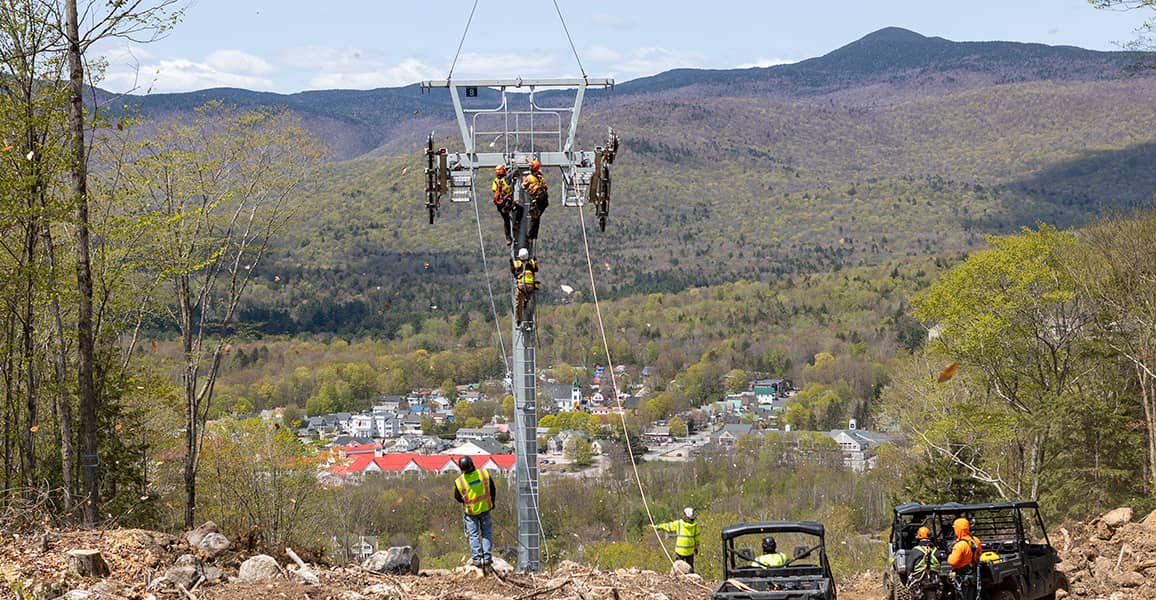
(500, 170)
(535, 165)
(923, 533)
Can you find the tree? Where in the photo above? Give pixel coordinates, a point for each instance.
(1144, 41)
(677, 427)
(578, 451)
(1118, 272)
(259, 475)
(215, 191)
(1012, 313)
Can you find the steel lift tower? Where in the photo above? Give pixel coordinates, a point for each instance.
(515, 131)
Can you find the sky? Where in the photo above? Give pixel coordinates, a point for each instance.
(289, 46)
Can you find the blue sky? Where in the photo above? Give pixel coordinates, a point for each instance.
(289, 46)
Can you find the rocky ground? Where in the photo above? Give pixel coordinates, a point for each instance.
(1111, 558)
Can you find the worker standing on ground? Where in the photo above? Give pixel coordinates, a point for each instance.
(964, 559)
(535, 184)
(475, 490)
(525, 271)
(770, 557)
(503, 201)
(686, 536)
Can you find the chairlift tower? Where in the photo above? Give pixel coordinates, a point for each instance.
(512, 133)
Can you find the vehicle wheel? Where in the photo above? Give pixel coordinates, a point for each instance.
(895, 588)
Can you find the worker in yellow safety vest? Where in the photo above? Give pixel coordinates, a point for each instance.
(535, 185)
(686, 536)
(524, 269)
(504, 202)
(475, 490)
(770, 557)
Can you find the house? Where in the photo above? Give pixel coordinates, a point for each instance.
(420, 464)
(769, 390)
(392, 403)
(557, 443)
(380, 423)
(731, 432)
(411, 423)
(658, 435)
(478, 447)
(467, 434)
(558, 396)
(859, 447)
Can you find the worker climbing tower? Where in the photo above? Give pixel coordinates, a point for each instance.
(502, 122)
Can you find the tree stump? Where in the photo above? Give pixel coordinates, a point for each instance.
(89, 563)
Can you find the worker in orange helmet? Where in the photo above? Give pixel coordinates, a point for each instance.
(924, 563)
(503, 201)
(964, 559)
(535, 185)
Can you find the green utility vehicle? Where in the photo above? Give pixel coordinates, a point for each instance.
(805, 573)
(1017, 563)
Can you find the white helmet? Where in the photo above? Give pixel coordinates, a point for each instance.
(523, 254)
(688, 513)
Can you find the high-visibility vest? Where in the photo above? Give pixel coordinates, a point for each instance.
(686, 536)
(926, 563)
(474, 488)
(774, 559)
(525, 274)
(501, 189)
(534, 183)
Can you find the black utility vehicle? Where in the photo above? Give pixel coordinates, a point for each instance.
(1018, 561)
(805, 574)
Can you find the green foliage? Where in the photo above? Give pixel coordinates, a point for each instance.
(258, 475)
(577, 450)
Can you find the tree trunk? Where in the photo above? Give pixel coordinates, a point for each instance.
(189, 379)
(27, 333)
(86, 390)
(63, 406)
(1148, 400)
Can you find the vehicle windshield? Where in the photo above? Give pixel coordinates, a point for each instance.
(798, 549)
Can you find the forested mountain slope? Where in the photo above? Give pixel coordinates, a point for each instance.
(895, 145)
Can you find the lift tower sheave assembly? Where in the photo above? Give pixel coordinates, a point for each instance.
(512, 133)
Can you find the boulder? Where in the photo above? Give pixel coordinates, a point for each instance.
(183, 575)
(680, 567)
(195, 536)
(187, 560)
(398, 560)
(1117, 517)
(259, 568)
(214, 544)
(1129, 579)
(501, 566)
(1150, 521)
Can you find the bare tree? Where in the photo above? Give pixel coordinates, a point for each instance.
(215, 191)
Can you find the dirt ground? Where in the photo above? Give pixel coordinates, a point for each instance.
(37, 566)
(1111, 557)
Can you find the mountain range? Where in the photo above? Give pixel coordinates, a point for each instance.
(894, 145)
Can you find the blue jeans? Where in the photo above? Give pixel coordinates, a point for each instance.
(478, 530)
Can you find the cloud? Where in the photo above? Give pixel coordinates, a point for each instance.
(765, 62)
(407, 72)
(643, 62)
(238, 62)
(179, 75)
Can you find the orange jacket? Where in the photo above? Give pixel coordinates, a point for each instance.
(967, 548)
